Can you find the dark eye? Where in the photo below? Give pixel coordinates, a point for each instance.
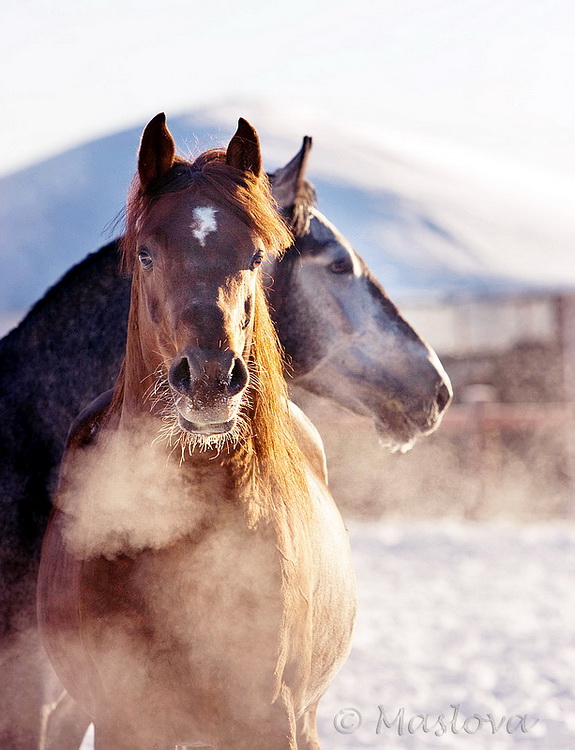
(256, 260)
(145, 259)
(342, 265)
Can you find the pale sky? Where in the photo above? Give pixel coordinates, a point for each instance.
(494, 76)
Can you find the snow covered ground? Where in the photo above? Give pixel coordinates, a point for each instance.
(480, 617)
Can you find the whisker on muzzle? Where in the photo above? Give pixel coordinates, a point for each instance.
(176, 438)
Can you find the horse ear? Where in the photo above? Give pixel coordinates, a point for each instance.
(157, 151)
(288, 181)
(244, 149)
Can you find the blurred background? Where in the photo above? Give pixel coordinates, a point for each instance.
(444, 150)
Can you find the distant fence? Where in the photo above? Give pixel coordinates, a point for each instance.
(484, 425)
(491, 415)
(482, 453)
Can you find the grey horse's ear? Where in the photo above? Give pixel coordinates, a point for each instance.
(157, 151)
(244, 150)
(288, 182)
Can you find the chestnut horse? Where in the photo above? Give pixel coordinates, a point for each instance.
(195, 584)
(345, 341)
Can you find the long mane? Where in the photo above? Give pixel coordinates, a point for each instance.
(266, 463)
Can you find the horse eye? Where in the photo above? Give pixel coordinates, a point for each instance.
(256, 260)
(344, 265)
(145, 259)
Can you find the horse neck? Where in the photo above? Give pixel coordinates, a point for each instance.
(135, 378)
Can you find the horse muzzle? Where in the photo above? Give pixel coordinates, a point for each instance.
(206, 428)
(399, 421)
(208, 387)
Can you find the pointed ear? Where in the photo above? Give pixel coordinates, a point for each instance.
(157, 151)
(244, 149)
(288, 181)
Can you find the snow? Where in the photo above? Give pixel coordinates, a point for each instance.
(480, 617)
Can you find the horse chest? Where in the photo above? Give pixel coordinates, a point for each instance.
(201, 612)
(226, 568)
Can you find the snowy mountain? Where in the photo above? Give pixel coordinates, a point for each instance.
(427, 221)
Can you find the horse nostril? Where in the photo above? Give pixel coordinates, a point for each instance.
(238, 377)
(443, 397)
(180, 376)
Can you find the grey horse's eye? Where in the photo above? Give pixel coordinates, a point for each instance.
(342, 265)
(145, 259)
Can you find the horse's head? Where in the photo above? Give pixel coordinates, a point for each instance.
(345, 338)
(196, 236)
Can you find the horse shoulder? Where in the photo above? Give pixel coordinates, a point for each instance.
(309, 441)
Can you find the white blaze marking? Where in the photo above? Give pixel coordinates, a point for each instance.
(204, 223)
